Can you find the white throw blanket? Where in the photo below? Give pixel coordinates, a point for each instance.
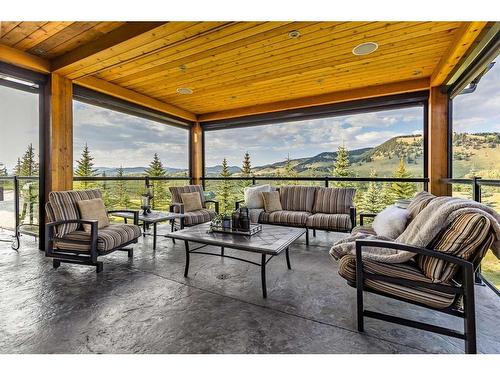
(438, 214)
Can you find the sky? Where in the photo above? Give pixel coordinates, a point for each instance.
(116, 139)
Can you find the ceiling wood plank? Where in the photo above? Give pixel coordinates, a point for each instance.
(42, 34)
(24, 60)
(134, 97)
(89, 51)
(335, 97)
(466, 35)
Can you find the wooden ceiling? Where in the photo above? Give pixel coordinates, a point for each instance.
(233, 65)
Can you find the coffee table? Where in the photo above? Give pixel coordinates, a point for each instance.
(270, 242)
(154, 218)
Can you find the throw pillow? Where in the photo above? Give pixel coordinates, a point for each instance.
(391, 222)
(191, 201)
(253, 196)
(93, 209)
(418, 203)
(271, 201)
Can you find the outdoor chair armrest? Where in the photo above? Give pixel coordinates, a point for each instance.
(237, 204)
(134, 212)
(216, 203)
(352, 214)
(365, 214)
(93, 234)
(180, 206)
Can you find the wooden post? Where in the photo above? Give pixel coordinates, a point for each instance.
(438, 142)
(60, 147)
(197, 153)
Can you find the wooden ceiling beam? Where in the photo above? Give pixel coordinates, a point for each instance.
(22, 59)
(330, 98)
(119, 92)
(90, 51)
(466, 35)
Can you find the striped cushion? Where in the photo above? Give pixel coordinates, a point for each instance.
(418, 203)
(297, 198)
(464, 237)
(363, 230)
(408, 271)
(340, 222)
(63, 207)
(198, 217)
(291, 218)
(176, 192)
(111, 237)
(333, 200)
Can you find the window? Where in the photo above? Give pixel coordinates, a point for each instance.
(476, 146)
(109, 143)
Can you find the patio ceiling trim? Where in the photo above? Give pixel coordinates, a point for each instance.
(457, 50)
(24, 60)
(330, 98)
(119, 92)
(92, 52)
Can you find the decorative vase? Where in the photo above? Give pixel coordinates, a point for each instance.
(244, 219)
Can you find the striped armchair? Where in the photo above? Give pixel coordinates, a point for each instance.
(67, 240)
(193, 217)
(439, 277)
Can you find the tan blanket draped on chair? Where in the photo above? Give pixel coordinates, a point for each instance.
(438, 215)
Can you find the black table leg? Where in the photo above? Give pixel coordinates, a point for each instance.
(172, 223)
(288, 259)
(144, 229)
(186, 268)
(263, 275)
(222, 250)
(154, 235)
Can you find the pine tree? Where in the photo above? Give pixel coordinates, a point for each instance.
(224, 190)
(85, 167)
(402, 190)
(28, 164)
(246, 170)
(120, 193)
(3, 170)
(156, 169)
(290, 171)
(371, 201)
(106, 192)
(341, 167)
(17, 168)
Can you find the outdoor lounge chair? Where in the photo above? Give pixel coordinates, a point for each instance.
(440, 277)
(68, 242)
(193, 217)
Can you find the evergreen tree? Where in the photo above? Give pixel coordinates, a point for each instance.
(342, 166)
(156, 169)
(85, 167)
(290, 171)
(3, 169)
(224, 190)
(106, 192)
(371, 201)
(246, 170)
(17, 168)
(402, 190)
(120, 193)
(28, 164)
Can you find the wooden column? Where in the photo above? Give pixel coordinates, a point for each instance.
(197, 153)
(60, 147)
(438, 142)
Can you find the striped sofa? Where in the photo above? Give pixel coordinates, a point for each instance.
(316, 208)
(68, 242)
(439, 277)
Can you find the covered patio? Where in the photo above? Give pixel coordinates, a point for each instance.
(208, 76)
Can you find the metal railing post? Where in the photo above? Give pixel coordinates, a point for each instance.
(476, 189)
(326, 181)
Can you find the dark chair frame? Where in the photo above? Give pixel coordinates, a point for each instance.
(180, 207)
(352, 215)
(62, 255)
(466, 289)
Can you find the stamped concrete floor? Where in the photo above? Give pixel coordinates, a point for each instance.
(145, 305)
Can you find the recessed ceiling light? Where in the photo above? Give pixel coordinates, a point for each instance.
(184, 90)
(294, 34)
(365, 48)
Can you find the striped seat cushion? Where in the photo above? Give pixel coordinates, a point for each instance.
(63, 206)
(198, 217)
(290, 218)
(333, 200)
(108, 238)
(467, 235)
(363, 230)
(408, 271)
(297, 198)
(418, 203)
(334, 222)
(176, 192)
